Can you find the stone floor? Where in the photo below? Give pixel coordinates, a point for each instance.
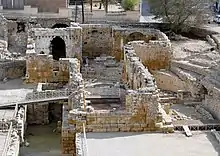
(139, 144)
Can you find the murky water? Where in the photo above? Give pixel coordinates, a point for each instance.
(43, 141)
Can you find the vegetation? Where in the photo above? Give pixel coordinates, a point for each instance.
(181, 14)
(129, 4)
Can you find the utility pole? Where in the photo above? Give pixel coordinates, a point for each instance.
(91, 5)
(76, 11)
(106, 6)
(83, 17)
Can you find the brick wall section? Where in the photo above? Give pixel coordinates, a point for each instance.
(47, 5)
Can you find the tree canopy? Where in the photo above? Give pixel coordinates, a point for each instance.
(181, 13)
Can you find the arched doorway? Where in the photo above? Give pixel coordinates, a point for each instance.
(59, 25)
(58, 48)
(135, 36)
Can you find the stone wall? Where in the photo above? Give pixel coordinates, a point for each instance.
(38, 114)
(155, 54)
(12, 69)
(169, 81)
(40, 68)
(97, 39)
(71, 36)
(116, 122)
(3, 28)
(125, 33)
(136, 75)
(17, 36)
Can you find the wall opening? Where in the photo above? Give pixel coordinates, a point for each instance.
(59, 25)
(58, 48)
(135, 36)
(20, 27)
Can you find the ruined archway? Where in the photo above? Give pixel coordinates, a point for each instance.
(58, 48)
(135, 36)
(59, 25)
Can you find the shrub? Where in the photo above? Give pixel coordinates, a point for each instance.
(129, 4)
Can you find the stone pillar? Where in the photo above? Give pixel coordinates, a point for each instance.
(68, 135)
(68, 142)
(72, 123)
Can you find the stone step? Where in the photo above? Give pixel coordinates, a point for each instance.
(168, 100)
(161, 94)
(183, 74)
(209, 82)
(192, 103)
(202, 62)
(104, 101)
(201, 70)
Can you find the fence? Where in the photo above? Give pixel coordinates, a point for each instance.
(7, 141)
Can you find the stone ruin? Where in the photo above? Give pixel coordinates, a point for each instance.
(142, 111)
(104, 60)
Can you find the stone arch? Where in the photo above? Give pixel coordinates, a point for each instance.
(58, 48)
(59, 25)
(135, 36)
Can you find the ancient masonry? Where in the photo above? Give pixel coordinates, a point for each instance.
(130, 65)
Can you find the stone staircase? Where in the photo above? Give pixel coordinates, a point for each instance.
(165, 97)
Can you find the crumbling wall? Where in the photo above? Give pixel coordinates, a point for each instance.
(97, 39)
(122, 35)
(49, 22)
(40, 68)
(3, 28)
(17, 36)
(155, 54)
(38, 114)
(12, 69)
(71, 36)
(135, 73)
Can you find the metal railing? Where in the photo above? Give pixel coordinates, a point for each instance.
(62, 94)
(47, 94)
(41, 96)
(85, 151)
(7, 141)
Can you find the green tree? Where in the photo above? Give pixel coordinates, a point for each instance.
(181, 14)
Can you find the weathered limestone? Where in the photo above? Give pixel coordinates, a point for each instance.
(70, 35)
(12, 69)
(155, 54)
(38, 114)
